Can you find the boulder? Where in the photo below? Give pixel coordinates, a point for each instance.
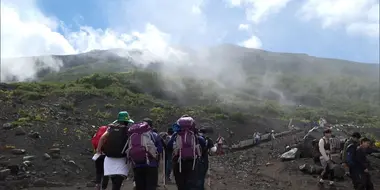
(292, 154)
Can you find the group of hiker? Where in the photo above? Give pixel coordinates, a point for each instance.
(125, 144)
(354, 159)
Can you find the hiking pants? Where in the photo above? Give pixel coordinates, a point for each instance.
(187, 178)
(202, 172)
(117, 181)
(364, 181)
(146, 178)
(100, 178)
(328, 172)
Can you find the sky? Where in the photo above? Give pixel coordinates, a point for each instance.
(343, 29)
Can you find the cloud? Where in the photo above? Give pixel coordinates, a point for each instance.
(243, 27)
(357, 17)
(258, 10)
(26, 31)
(252, 42)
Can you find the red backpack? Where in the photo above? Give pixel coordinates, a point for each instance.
(95, 139)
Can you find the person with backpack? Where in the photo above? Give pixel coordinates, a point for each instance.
(359, 166)
(348, 151)
(187, 146)
(113, 143)
(220, 140)
(204, 159)
(101, 181)
(326, 162)
(168, 155)
(143, 149)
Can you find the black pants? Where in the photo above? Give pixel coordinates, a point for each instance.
(361, 181)
(117, 181)
(100, 178)
(146, 178)
(328, 172)
(201, 173)
(187, 178)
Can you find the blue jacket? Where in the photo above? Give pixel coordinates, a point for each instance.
(153, 162)
(201, 141)
(350, 158)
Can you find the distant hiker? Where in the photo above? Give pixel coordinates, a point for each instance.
(326, 162)
(272, 139)
(187, 147)
(168, 155)
(204, 159)
(143, 148)
(114, 141)
(348, 156)
(101, 181)
(219, 141)
(360, 166)
(257, 138)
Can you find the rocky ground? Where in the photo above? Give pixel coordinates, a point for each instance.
(45, 144)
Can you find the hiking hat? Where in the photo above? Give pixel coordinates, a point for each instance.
(123, 116)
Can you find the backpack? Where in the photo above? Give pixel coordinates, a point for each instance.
(347, 145)
(186, 146)
(96, 138)
(141, 144)
(116, 141)
(315, 144)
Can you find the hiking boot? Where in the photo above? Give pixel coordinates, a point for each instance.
(331, 183)
(321, 181)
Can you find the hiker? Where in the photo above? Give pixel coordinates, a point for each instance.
(326, 162)
(257, 138)
(220, 140)
(186, 145)
(101, 181)
(272, 139)
(143, 148)
(359, 166)
(168, 155)
(114, 141)
(204, 159)
(349, 149)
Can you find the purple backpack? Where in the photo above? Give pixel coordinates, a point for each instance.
(186, 146)
(141, 144)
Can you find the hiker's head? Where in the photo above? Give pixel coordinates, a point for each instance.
(123, 118)
(272, 131)
(327, 133)
(356, 136)
(170, 131)
(149, 121)
(365, 142)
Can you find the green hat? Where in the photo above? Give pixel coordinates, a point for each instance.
(124, 116)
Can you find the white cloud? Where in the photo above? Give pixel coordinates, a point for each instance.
(243, 27)
(357, 16)
(258, 10)
(252, 42)
(27, 32)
